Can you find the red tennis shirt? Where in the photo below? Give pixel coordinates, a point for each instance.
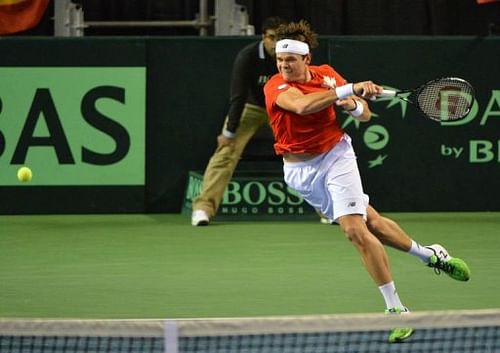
(312, 133)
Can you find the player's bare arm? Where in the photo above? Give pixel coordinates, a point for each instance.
(299, 103)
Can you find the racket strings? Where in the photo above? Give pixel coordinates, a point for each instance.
(446, 99)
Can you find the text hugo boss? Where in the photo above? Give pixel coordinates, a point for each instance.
(254, 193)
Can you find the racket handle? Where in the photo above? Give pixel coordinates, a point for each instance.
(387, 93)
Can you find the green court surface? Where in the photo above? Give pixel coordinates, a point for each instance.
(159, 266)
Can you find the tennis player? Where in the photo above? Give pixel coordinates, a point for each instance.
(320, 163)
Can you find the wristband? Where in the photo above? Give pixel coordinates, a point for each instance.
(344, 91)
(228, 134)
(356, 112)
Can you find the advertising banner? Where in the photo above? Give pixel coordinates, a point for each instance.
(253, 195)
(73, 125)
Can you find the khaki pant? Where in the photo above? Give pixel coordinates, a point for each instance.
(223, 162)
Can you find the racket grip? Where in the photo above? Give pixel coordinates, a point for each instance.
(387, 93)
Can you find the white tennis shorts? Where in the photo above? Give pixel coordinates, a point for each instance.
(330, 182)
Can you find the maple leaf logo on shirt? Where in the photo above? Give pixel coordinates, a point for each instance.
(329, 82)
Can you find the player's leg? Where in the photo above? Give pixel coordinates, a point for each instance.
(389, 232)
(350, 206)
(368, 246)
(376, 262)
(222, 164)
(435, 256)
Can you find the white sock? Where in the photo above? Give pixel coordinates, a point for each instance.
(420, 251)
(391, 296)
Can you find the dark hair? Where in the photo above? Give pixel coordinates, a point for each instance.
(298, 31)
(271, 23)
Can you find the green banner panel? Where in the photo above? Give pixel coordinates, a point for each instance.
(261, 195)
(73, 125)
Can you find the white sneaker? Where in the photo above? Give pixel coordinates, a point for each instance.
(199, 218)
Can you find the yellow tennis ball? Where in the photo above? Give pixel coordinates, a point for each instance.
(24, 174)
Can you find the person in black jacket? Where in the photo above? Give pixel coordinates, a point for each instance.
(253, 66)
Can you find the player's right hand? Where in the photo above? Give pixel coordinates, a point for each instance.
(367, 89)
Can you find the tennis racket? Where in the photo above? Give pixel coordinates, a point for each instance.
(442, 99)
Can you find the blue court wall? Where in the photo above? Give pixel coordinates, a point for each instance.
(114, 125)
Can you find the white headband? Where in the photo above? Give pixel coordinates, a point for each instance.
(292, 46)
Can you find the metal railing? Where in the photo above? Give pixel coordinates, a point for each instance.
(230, 19)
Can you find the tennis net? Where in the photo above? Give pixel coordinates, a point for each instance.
(465, 331)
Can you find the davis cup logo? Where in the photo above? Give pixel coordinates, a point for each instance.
(376, 137)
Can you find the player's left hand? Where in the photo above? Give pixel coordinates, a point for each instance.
(347, 104)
